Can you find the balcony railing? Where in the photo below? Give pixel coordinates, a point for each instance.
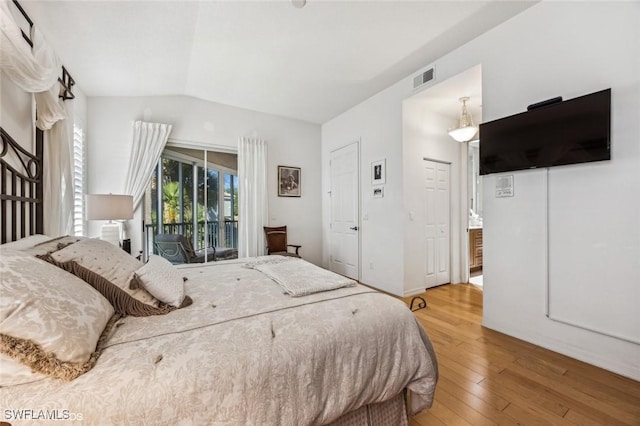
(186, 229)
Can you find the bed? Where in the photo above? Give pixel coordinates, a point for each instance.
(257, 341)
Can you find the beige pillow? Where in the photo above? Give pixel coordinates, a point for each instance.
(160, 278)
(107, 261)
(50, 320)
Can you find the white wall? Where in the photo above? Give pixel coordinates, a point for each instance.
(377, 124)
(207, 124)
(553, 48)
(16, 116)
(594, 238)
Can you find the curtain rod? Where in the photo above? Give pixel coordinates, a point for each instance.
(66, 81)
(29, 21)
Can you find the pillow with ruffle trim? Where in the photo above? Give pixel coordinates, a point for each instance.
(51, 322)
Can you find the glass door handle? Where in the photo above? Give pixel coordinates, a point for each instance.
(354, 228)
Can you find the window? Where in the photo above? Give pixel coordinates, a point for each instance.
(78, 180)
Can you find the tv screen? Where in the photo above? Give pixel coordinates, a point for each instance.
(569, 132)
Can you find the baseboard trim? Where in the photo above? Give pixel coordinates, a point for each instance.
(419, 290)
(413, 292)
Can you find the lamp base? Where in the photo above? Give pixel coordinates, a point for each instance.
(111, 232)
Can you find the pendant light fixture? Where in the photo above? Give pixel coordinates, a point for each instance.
(466, 130)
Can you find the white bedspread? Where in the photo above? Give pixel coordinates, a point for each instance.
(246, 354)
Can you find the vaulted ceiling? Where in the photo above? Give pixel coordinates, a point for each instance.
(309, 63)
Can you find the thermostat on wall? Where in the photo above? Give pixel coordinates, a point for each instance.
(504, 186)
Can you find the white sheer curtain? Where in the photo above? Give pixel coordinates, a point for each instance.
(252, 176)
(32, 70)
(36, 70)
(58, 177)
(149, 140)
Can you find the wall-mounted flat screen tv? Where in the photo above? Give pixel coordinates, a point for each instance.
(567, 132)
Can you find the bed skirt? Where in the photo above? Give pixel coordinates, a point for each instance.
(389, 413)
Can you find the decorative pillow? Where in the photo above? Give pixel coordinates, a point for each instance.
(108, 261)
(50, 321)
(160, 278)
(122, 302)
(27, 242)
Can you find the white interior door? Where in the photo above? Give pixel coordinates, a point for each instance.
(437, 223)
(345, 247)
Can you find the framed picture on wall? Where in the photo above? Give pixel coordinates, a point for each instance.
(289, 180)
(378, 172)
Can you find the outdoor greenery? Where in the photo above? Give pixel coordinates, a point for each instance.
(177, 180)
(171, 192)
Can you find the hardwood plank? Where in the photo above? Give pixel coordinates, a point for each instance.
(521, 391)
(425, 419)
(487, 377)
(532, 415)
(495, 353)
(461, 409)
(447, 416)
(469, 331)
(478, 404)
(462, 370)
(574, 398)
(583, 371)
(491, 398)
(476, 362)
(541, 366)
(443, 337)
(605, 392)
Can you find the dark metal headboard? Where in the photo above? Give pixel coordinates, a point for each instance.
(21, 190)
(21, 187)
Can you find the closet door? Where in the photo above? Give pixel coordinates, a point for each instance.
(345, 240)
(437, 223)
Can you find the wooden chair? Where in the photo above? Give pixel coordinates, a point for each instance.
(177, 248)
(277, 241)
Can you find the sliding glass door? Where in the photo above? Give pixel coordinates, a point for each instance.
(191, 195)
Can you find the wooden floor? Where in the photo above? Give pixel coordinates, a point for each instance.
(490, 378)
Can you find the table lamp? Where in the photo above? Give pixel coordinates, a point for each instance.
(109, 207)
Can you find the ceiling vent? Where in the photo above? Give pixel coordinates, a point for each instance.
(423, 78)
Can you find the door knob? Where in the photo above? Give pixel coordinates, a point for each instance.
(355, 228)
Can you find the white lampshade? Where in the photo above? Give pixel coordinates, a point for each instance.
(463, 134)
(109, 207)
(465, 130)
